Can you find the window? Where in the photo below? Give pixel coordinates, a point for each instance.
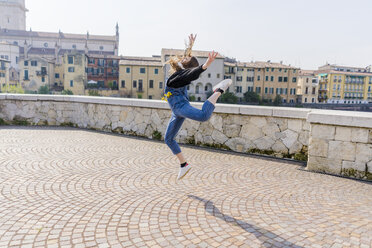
(312, 100)
(267, 69)
(151, 84)
(250, 89)
(160, 85)
(101, 47)
(266, 90)
(45, 44)
(142, 70)
(294, 80)
(56, 75)
(294, 71)
(71, 69)
(285, 79)
(128, 69)
(209, 75)
(26, 74)
(150, 97)
(280, 79)
(70, 60)
(267, 78)
(258, 90)
(43, 79)
(218, 75)
(238, 89)
(206, 88)
(73, 46)
(71, 83)
(122, 83)
(197, 89)
(33, 63)
(156, 71)
(239, 78)
(272, 69)
(307, 90)
(140, 85)
(271, 90)
(307, 80)
(272, 78)
(258, 78)
(134, 84)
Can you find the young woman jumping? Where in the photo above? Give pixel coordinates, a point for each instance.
(186, 69)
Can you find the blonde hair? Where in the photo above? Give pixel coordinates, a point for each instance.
(175, 59)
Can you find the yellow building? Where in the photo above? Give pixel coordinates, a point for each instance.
(141, 77)
(308, 86)
(36, 72)
(267, 79)
(344, 85)
(4, 73)
(74, 70)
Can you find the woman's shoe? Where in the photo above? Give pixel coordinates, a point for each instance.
(223, 85)
(183, 171)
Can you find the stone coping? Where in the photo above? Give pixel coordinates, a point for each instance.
(341, 118)
(330, 117)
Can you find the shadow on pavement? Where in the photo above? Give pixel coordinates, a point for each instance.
(262, 234)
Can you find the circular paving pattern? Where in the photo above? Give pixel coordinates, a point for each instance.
(63, 187)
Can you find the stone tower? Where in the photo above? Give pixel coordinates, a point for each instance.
(13, 14)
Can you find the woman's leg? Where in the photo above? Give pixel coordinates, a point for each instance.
(173, 128)
(188, 111)
(213, 98)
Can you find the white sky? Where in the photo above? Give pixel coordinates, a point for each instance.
(304, 33)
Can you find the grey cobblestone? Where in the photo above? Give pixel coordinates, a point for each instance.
(62, 187)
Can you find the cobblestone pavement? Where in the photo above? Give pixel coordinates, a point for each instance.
(62, 187)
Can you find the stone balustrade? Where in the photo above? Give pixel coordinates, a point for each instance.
(335, 142)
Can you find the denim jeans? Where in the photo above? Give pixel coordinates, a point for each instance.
(181, 109)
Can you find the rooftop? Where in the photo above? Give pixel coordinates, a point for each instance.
(149, 61)
(56, 35)
(90, 188)
(260, 64)
(196, 53)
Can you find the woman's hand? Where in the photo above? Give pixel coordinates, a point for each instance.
(192, 38)
(211, 57)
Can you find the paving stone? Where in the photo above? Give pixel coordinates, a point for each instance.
(65, 187)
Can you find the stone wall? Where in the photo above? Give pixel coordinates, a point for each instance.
(341, 143)
(280, 132)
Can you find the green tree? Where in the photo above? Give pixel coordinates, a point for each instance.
(67, 92)
(43, 90)
(13, 89)
(192, 98)
(251, 97)
(228, 97)
(93, 93)
(139, 96)
(278, 100)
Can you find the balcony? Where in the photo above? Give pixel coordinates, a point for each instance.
(41, 73)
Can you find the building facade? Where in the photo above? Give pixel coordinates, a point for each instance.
(74, 70)
(4, 73)
(202, 87)
(13, 14)
(10, 52)
(308, 86)
(141, 77)
(103, 71)
(36, 72)
(267, 79)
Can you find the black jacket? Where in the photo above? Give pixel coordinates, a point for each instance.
(184, 77)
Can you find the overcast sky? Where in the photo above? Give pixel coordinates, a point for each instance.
(304, 33)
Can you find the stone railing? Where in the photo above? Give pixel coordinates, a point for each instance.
(336, 142)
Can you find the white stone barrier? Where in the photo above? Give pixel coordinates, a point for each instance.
(274, 131)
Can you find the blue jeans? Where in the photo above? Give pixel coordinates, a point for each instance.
(179, 113)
